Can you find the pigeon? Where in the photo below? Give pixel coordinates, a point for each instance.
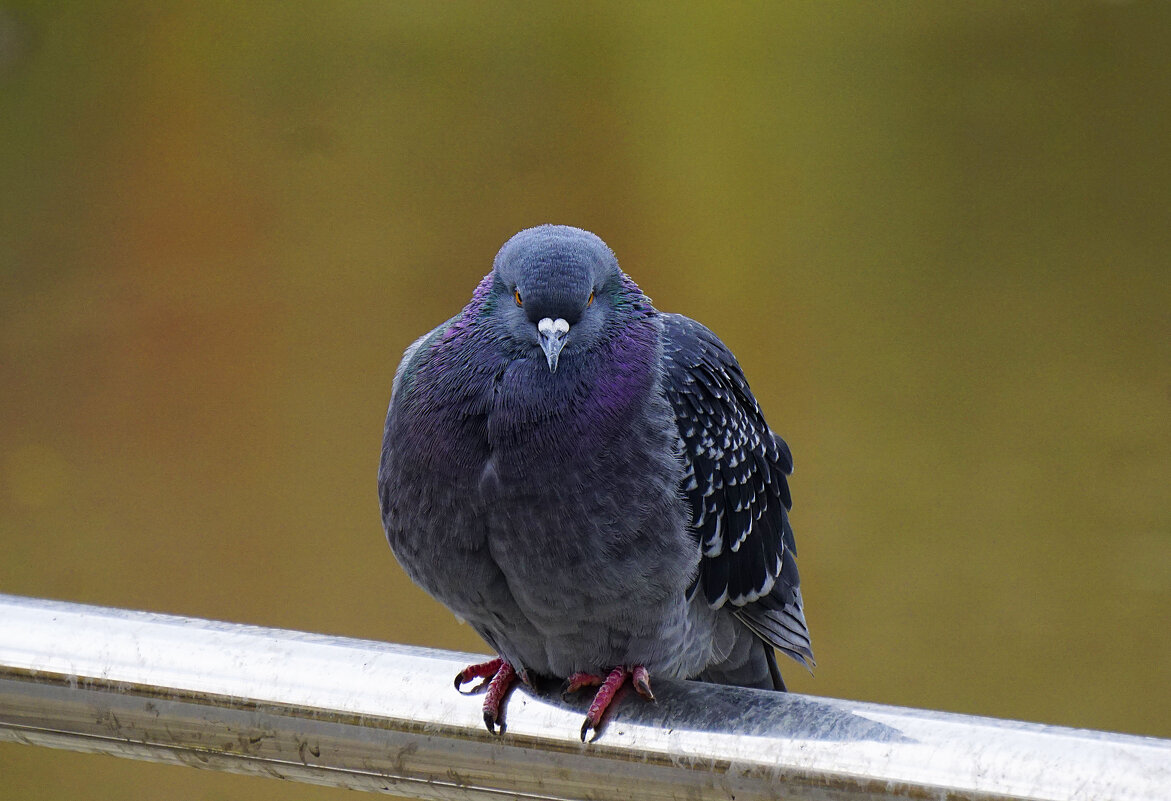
(591, 485)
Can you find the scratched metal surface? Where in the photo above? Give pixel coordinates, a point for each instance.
(374, 716)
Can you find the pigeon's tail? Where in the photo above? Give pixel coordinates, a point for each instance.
(751, 663)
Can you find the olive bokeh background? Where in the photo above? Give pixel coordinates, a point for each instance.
(935, 234)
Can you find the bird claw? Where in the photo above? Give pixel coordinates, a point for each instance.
(477, 671)
(607, 692)
(642, 682)
(498, 688)
(577, 681)
(585, 729)
(503, 676)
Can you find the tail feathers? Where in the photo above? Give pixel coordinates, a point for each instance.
(780, 630)
(779, 620)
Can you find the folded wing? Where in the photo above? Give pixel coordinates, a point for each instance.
(737, 489)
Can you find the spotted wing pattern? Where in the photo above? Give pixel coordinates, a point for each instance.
(736, 486)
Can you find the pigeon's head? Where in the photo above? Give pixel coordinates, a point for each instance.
(556, 288)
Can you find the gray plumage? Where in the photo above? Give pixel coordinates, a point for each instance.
(589, 482)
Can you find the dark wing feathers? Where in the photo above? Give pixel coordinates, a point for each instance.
(736, 487)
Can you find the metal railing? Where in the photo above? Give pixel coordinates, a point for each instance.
(373, 716)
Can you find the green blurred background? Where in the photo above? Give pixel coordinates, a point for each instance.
(935, 234)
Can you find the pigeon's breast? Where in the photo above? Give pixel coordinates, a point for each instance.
(581, 491)
(541, 420)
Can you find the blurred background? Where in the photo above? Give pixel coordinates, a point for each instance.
(936, 235)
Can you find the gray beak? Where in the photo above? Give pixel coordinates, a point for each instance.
(552, 334)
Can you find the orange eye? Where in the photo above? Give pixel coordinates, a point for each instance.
(590, 302)
(516, 297)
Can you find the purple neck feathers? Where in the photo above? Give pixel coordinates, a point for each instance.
(474, 403)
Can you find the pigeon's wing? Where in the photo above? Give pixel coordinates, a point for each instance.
(408, 364)
(415, 356)
(736, 487)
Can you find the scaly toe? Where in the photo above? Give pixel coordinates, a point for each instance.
(602, 699)
(498, 688)
(477, 671)
(607, 692)
(579, 680)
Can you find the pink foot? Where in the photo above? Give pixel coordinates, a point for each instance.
(609, 686)
(477, 671)
(579, 680)
(503, 676)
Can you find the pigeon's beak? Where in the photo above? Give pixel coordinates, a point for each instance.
(552, 334)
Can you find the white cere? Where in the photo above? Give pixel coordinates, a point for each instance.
(550, 327)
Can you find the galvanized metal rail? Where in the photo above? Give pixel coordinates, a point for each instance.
(372, 716)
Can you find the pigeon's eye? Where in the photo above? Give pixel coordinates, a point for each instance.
(516, 297)
(590, 302)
